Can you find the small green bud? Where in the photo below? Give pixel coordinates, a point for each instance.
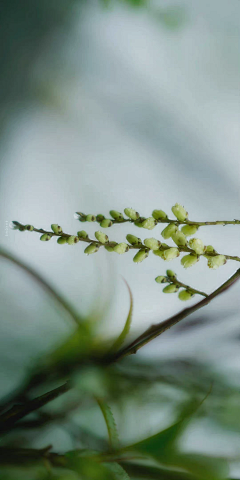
(189, 260)
(82, 234)
(72, 239)
(133, 240)
(101, 237)
(106, 223)
(152, 243)
(217, 261)
(131, 213)
(141, 255)
(171, 253)
(45, 237)
(56, 228)
(90, 218)
(170, 273)
(172, 288)
(159, 253)
(179, 212)
(110, 248)
(81, 217)
(197, 245)
(179, 238)
(61, 240)
(121, 248)
(116, 215)
(189, 230)
(149, 223)
(92, 248)
(161, 279)
(185, 295)
(100, 218)
(139, 222)
(29, 228)
(210, 249)
(169, 230)
(159, 214)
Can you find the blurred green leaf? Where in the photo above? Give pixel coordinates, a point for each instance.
(111, 424)
(117, 344)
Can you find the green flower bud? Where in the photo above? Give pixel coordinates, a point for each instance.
(131, 213)
(139, 222)
(179, 212)
(171, 253)
(121, 248)
(189, 260)
(90, 218)
(81, 217)
(106, 223)
(92, 248)
(141, 255)
(217, 261)
(159, 214)
(72, 239)
(116, 215)
(161, 279)
(185, 295)
(56, 228)
(210, 249)
(82, 234)
(170, 273)
(189, 230)
(159, 253)
(100, 218)
(149, 223)
(110, 248)
(45, 237)
(133, 240)
(169, 230)
(61, 240)
(29, 228)
(101, 237)
(172, 288)
(179, 238)
(152, 243)
(197, 245)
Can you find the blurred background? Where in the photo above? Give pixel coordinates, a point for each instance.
(107, 105)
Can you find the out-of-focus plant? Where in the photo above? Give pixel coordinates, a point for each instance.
(85, 370)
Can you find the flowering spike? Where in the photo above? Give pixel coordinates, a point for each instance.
(56, 228)
(121, 248)
(171, 253)
(149, 223)
(180, 212)
(179, 238)
(101, 237)
(116, 215)
(185, 295)
(217, 261)
(133, 240)
(172, 288)
(141, 255)
(131, 213)
(106, 223)
(161, 279)
(169, 231)
(197, 245)
(62, 240)
(92, 248)
(152, 243)
(159, 214)
(189, 230)
(189, 260)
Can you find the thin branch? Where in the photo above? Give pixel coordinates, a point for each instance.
(156, 330)
(49, 289)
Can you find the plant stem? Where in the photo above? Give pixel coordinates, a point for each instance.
(176, 282)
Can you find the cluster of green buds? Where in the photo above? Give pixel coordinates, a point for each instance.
(174, 285)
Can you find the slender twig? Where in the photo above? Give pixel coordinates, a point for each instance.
(180, 284)
(156, 330)
(50, 290)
